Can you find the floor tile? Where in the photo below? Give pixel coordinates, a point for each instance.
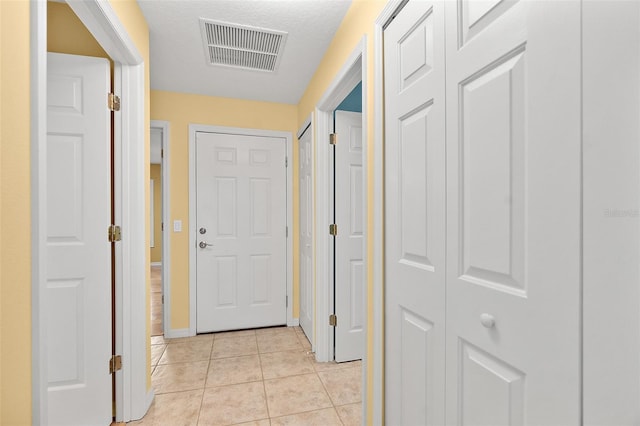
(181, 408)
(156, 353)
(186, 352)
(295, 394)
(332, 365)
(179, 377)
(238, 333)
(304, 342)
(158, 340)
(197, 338)
(263, 422)
(344, 386)
(236, 346)
(326, 417)
(351, 415)
(282, 364)
(229, 371)
(278, 342)
(227, 405)
(274, 330)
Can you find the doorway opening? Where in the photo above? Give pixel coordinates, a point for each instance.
(352, 73)
(159, 228)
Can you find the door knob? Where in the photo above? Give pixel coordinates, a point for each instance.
(204, 245)
(487, 320)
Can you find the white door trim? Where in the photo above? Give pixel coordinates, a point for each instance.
(352, 72)
(166, 243)
(193, 129)
(133, 397)
(390, 10)
(308, 126)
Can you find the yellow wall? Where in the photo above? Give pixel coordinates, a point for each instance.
(15, 211)
(156, 176)
(358, 21)
(67, 34)
(184, 109)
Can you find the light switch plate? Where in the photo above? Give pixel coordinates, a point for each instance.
(177, 226)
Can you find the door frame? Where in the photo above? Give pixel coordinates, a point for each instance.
(308, 126)
(391, 9)
(352, 72)
(132, 396)
(166, 243)
(193, 235)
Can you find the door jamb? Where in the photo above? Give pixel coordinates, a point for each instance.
(132, 396)
(193, 129)
(166, 246)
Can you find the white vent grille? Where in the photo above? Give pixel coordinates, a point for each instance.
(241, 46)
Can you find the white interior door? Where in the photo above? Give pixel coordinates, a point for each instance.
(349, 249)
(241, 229)
(513, 224)
(415, 215)
(78, 295)
(306, 233)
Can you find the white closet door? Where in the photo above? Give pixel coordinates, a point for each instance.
(349, 249)
(306, 233)
(513, 212)
(415, 215)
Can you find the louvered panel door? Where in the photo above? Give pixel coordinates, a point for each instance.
(513, 212)
(415, 216)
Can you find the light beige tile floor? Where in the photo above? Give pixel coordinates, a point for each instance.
(156, 300)
(264, 377)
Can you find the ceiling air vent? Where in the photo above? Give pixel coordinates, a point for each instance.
(241, 46)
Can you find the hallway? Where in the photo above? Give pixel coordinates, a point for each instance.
(264, 376)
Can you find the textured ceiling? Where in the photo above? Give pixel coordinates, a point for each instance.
(178, 61)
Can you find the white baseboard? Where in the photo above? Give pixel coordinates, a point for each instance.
(156, 263)
(179, 332)
(294, 322)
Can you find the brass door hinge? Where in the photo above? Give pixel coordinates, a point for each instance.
(333, 320)
(114, 102)
(115, 364)
(333, 139)
(115, 234)
(333, 229)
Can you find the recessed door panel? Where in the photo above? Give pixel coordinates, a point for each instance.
(493, 391)
(493, 174)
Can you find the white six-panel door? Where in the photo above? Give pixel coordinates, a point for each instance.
(415, 216)
(305, 160)
(78, 295)
(512, 283)
(513, 212)
(241, 225)
(349, 243)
